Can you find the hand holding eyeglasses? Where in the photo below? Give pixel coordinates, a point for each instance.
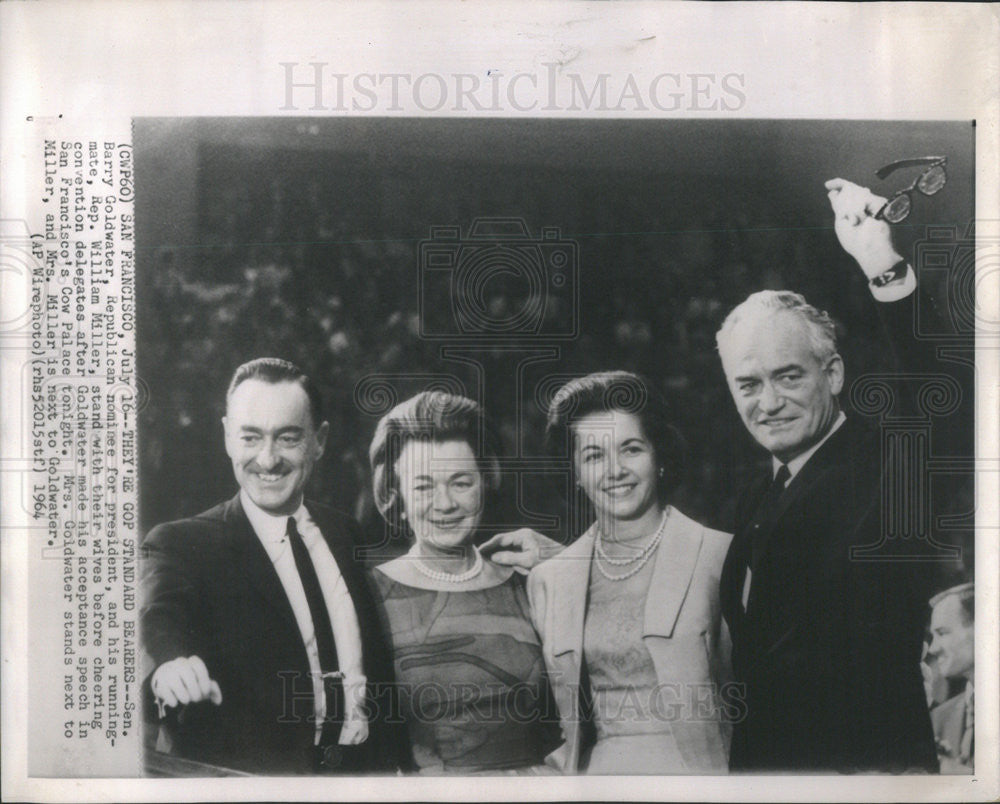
(863, 235)
(930, 181)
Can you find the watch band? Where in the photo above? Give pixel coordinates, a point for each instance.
(898, 271)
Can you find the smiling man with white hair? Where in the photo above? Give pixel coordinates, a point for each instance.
(827, 647)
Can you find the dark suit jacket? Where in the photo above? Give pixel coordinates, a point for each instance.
(210, 590)
(829, 646)
(948, 719)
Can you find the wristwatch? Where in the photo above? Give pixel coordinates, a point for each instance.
(898, 271)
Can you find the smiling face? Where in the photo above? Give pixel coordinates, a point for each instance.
(273, 442)
(442, 491)
(952, 639)
(786, 396)
(615, 465)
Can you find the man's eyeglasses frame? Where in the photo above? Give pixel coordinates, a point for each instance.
(893, 210)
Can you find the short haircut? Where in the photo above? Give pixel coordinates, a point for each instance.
(274, 370)
(626, 392)
(428, 416)
(966, 593)
(820, 329)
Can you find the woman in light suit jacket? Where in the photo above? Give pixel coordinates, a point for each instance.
(634, 644)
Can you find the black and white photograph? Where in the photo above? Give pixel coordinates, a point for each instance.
(639, 447)
(500, 401)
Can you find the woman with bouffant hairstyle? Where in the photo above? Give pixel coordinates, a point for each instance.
(629, 613)
(468, 661)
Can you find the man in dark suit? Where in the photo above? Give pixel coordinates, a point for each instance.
(263, 641)
(826, 645)
(953, 652)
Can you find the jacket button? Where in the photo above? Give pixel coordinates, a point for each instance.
(333, 757)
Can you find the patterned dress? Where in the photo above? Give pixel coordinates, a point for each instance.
(631, 717)
(470, 674)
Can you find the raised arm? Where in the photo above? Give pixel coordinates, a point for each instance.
(869, 240)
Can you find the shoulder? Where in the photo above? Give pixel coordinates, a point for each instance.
(385, 577)
(333, 519)
(189, 532)
(716, 543)
(852, 452)
(749, 488)
(554, 568)
(712, 544)
(560, 572)
(382, 582)
(947, 711)
(343, 534)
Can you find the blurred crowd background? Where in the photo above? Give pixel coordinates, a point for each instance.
(302, 239)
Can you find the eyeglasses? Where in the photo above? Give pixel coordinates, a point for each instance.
(929, 182)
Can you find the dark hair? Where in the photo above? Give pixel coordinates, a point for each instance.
(628, 393)
(274, 370)
(428, 416)
(966, 594)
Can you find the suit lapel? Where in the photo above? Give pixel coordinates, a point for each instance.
(828, 455)
(738, 557)
(571, 597)
(801, 485)
(675, 561)
(956, 725)
(788, 509)
(254, 562)
(342, 548)
(568, 607)
(375, 657)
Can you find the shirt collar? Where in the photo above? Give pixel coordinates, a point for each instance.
(268, 527)
(796, 464)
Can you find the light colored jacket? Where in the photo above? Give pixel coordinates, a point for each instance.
(682, 629)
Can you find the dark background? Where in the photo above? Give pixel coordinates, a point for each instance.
(300, 238)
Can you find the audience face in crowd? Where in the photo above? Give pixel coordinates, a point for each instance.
(615, 464)
(952, 638)
(784, 392)
(442, 492)
(273, 442)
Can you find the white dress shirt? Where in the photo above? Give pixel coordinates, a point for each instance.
(794, 467)
(271, 530)
(795, 464)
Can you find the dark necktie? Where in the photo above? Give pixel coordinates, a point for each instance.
(765, 512)
(321, 619)
(967, 746)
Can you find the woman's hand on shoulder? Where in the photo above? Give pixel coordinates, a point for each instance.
(521, 549)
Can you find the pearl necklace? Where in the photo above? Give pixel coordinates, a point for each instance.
(642, 557)
(450, 577)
